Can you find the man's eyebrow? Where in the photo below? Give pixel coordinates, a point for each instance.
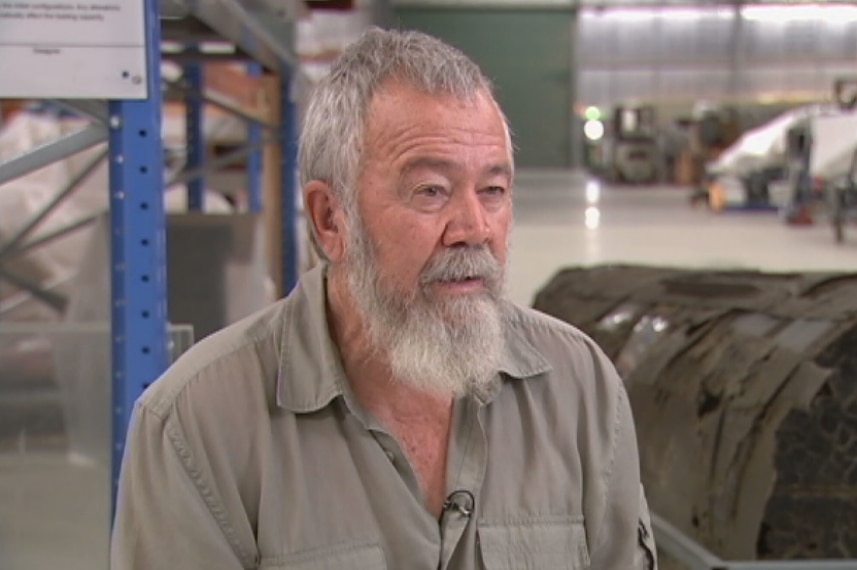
(435, 163)
(502, 169)
(429, 162)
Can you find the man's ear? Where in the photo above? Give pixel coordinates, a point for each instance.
(326, 218)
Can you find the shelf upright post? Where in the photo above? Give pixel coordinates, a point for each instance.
(1, 114)
(138, 249)
(194, 135)
(289, 146)
(254, 159)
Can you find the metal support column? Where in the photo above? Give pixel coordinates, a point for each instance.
(575, 125)
(289, 162)
(737, 51)
(138, 255)
(194, 135)
(254, 159)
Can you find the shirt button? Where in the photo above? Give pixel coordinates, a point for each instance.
(390, 455)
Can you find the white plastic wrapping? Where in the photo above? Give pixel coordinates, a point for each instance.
(23, 198)
(765, 145)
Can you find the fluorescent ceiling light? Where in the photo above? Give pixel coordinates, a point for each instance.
(827, 14)
(594, 130)
(678, 14)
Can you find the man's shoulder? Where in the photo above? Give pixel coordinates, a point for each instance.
(229, 359)
(544, 328)
(577, 366)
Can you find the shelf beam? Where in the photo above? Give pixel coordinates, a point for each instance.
(51, 152)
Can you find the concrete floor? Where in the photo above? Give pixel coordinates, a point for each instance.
(563, 219)
(54, 513)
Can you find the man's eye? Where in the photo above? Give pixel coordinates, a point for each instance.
(430, 191)
(494, 191)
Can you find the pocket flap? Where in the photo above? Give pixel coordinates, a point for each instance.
(534, 544)
(351, 556)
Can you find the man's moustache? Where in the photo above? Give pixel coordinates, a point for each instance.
(460, 264)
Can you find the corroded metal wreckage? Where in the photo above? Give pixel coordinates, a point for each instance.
(744, 391)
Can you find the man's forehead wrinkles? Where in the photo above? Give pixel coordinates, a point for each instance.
(441, 163)
(419, 161)
(433, 153)
(414, 135)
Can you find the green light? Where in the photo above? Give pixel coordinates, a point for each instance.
(592, 113)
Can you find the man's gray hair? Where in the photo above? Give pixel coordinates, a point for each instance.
(331, 139)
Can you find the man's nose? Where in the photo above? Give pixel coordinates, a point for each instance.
(468, 222)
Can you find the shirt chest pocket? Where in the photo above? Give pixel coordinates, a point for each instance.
(536, 544)
(350, 556)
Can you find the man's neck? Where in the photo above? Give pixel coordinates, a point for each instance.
(420, 421)
(368, 371)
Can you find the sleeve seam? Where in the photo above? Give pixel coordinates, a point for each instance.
(208, 496)
(608, 474)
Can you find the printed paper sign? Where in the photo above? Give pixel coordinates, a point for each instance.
(72, 49)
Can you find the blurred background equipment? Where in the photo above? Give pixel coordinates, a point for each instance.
(845, 92)
(747, 171)
(841, 197)
(632, 150)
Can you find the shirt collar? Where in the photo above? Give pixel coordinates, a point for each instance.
(310, 370)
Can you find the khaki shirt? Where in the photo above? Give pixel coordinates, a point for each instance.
(250, 452)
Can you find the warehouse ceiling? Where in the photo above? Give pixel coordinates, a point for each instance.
(606, 3)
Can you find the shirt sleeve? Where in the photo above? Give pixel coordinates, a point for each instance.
(166, 516)
(624, 538)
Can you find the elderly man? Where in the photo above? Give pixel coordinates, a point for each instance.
(394, 411)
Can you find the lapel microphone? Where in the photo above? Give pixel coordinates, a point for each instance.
(460, 500)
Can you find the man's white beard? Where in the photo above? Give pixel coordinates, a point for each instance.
(446, 345)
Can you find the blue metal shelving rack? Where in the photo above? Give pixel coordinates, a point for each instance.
(254, 159)
(138, 248)
(194, 135)
(139, 276)
(260, 36)
(289, 151)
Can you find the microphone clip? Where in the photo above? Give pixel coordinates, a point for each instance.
(460, 500)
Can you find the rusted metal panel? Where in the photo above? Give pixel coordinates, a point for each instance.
(744, 390)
